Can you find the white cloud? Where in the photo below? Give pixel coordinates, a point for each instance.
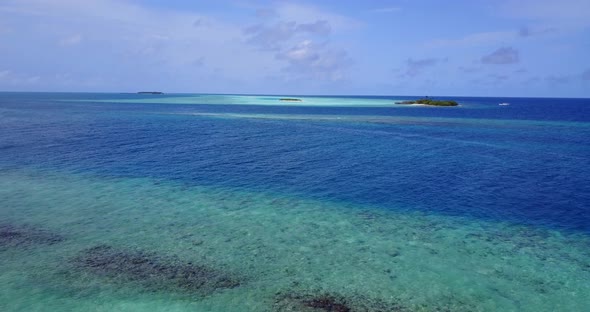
(182, 50)
(299, 35)
(302, 52)
(140, 39)
(274, 36)
(308, 60)
(477, 39)
(70, 41)
(416, 67)
(566, 15)
(290, 11)
(502, 56)
(558, 79)
(540, 17)
(11, 78)
(536, 31)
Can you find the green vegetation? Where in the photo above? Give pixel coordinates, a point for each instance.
(436, 102)
(427, 101)
(290, 99)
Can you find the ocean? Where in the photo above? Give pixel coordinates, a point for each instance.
(199, 202)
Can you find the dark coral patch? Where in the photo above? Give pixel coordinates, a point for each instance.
(327, 303)
(24, 236)
(319, 301)
(154, 272)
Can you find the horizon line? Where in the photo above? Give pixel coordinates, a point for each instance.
(294, 94)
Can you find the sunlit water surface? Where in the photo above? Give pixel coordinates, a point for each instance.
(122, 202)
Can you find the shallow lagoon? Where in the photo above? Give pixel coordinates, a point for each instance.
(276, 244)
(264, 100)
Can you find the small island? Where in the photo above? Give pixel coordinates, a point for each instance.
(290, 100)
(427, 101)
(150, 92)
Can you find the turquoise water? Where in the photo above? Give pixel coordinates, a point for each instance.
(108, 205)
(265, 100)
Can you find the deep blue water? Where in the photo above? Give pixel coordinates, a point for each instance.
(525, 163)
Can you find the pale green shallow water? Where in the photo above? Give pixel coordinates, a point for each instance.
(261, 100)
(276, 244)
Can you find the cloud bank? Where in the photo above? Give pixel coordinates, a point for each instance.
(258, 46)
(122, 43)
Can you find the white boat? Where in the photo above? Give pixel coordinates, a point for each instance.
(504, 104)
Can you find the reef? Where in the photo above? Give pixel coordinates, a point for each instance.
(317, 301)
(291, 100)
(26, 236)
(327, 303)
(288, 301)
(154, 272)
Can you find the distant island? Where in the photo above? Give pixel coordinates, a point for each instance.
(431, 102)
(290, 100)
(150, 92)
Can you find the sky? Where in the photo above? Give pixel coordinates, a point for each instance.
(538, 48)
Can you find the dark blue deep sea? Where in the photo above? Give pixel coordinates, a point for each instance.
(526, 163)
(189, 202)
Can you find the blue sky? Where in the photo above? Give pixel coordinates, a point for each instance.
(395, 47)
